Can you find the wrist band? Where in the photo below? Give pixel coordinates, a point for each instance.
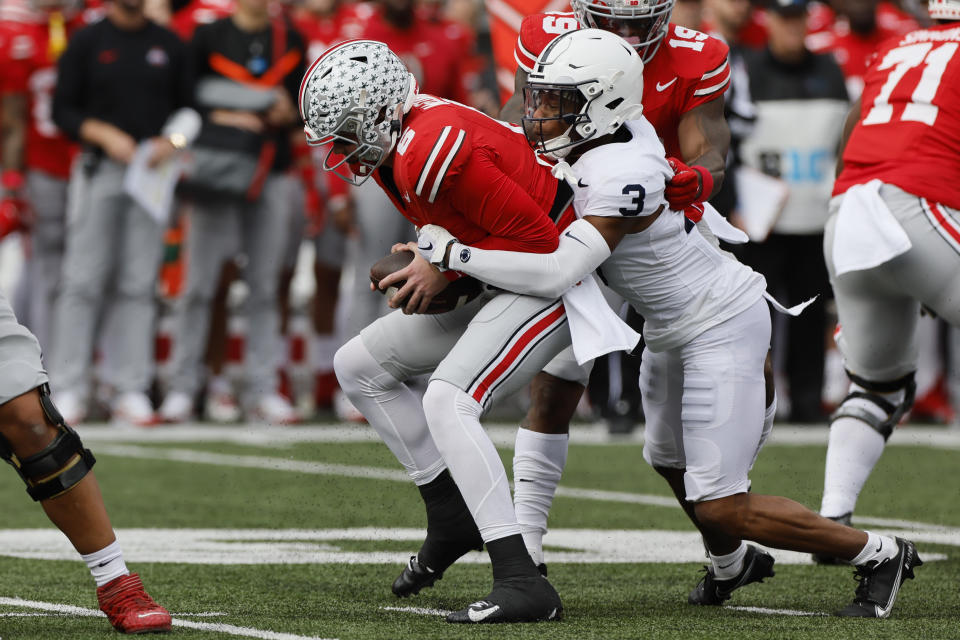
(706, 183)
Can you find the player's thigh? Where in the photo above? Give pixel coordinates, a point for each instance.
(564, 366)
(877, 321)
(723, 403)
(661, 393)
(412, 345)
(507, 343)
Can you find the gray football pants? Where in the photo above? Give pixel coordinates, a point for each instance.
(220, 231)
(111, 242)
(20, 368)
(878, 308)
(48, 198)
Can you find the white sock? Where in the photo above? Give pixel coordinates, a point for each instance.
(107, 564)
(538, 461)
(728, 566)
(877, 549)
(768, 416)
(852, 452)
(391, 409)
(322, 350)
(473, 461)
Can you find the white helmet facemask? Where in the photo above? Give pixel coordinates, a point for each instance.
(591, 80)
(354, 97)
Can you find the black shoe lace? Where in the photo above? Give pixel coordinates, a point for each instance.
(862, 575)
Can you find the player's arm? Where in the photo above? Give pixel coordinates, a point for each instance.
(704, 137)
(512, 110)
(583, 247)
(13, 124)
(853, 117)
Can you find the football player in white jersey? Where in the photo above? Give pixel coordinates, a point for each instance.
(707, 324)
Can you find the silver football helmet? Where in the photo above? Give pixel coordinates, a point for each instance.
(642, 23)
(353, 97)
(591, 80)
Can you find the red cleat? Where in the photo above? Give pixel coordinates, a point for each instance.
(130, 609)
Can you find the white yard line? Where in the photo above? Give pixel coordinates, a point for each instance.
(502, 434)
(776, 612)
(419, 610)
(229, 629)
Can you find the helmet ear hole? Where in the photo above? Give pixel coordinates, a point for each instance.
(613, 104)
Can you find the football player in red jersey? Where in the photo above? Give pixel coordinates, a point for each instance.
(442, 163)
(892, 244)
(685, 75)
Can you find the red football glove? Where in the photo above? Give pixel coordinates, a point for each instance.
(14, 216)
(688, 185)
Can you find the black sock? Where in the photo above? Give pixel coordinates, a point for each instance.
(510, 558)
(451, 530)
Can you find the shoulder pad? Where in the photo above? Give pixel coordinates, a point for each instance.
(433, 148)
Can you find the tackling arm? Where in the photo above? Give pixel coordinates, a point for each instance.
(583, 247)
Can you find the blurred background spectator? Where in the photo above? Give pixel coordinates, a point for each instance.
(118, 82)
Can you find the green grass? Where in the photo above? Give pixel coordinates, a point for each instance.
(601, 600)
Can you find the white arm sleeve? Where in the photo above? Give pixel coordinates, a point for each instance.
(582, 249)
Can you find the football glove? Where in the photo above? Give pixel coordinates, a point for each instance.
(432, 242)
(688, 185)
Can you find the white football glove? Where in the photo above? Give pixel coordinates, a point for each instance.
(432, 241)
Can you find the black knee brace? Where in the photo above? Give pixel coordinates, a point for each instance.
(59, 466)
(873, 389)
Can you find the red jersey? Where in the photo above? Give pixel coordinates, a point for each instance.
(852, 50)
(198, 12)
(689, 69)
(29, 62)
(473, 175)
(909, 128)
(322, 32)
(434, 59)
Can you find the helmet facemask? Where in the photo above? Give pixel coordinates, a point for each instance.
(564, 104)
(642, 23)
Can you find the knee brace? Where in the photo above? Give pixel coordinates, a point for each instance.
(853, 405)
(59, 466)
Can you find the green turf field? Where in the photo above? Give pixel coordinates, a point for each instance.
(303, 537)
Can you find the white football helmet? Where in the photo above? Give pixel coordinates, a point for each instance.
(589, 79)
(642, 23)
(944, 9)
(350, 96)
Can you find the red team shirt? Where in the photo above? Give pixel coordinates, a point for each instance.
(29, 66)
(322, 32)
(455, 167)
(689, 69)
(434, 58)
(909, 129)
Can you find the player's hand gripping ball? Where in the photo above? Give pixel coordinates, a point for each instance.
(458, 293)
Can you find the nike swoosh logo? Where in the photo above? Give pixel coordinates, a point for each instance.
(663, 87)
(724, 566)
(570, 235)
(580, 183)
(880, 546)
(426, 247)
(147, 615)
(884, 612)
(479, 615)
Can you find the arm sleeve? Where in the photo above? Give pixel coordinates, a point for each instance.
(498, 204)
(68, 96)
(715, 78)
(581, 250)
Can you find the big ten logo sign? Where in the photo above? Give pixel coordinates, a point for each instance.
(798, 165)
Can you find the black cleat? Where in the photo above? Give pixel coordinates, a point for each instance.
(757, 565)
(413, 578)
(880, 583)
(825, 559)
(523, 599)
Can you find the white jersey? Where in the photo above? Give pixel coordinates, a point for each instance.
(680, 283)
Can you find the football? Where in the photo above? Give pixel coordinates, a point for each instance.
(458, 293)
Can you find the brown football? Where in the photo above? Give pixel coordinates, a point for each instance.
(458, 293)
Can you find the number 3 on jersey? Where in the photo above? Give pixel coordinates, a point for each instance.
(637, 200)
(919, 107)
